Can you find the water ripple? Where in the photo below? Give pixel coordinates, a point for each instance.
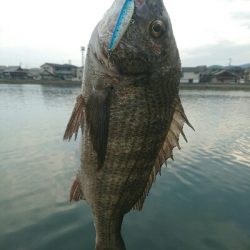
(201, 201)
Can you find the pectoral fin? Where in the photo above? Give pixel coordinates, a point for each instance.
(76, 119)
(171, 141)
(97, 115)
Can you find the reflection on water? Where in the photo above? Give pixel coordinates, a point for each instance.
(200, 202)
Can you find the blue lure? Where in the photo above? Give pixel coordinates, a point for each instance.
(122, 23)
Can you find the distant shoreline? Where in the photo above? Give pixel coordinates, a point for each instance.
(186, 86)
(214, 86)
(40, 82)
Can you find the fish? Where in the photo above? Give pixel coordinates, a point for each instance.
(129, 112)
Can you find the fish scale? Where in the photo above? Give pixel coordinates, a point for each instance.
(106, 204)
(117, 166)
(130, 113)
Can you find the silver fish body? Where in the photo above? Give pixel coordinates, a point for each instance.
(130, 113)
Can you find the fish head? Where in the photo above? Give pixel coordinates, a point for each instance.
(138, 37)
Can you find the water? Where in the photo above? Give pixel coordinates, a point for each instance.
(201, 202)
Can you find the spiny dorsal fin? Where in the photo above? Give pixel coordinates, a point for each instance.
(76, 119)
(166, 151)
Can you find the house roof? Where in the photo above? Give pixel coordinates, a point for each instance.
(196, 70)
(34, 71)
(2, 68)
(12, 69)
(225, 72)
(46, 73)
(59, 65)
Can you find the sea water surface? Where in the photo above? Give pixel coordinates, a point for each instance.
(201, 201)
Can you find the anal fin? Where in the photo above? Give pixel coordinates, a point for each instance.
(76, 193)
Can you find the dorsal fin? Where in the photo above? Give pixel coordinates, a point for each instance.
(166, 151)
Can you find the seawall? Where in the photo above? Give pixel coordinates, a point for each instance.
(186, 86)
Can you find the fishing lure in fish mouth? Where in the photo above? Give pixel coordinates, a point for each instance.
(122, 23)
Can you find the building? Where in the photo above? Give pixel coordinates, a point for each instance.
(60, 71)
(47, 75)
(247, 76)
(226, 77)
(2, 68)
(79, 74)
(40, 74)
(14, 72)
(192, 74)
(34, 73)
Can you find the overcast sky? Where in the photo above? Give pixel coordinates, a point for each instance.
(36, 31)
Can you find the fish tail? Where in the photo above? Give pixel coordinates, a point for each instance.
(108, 233)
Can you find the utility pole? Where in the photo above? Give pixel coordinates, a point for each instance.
(82, 50)
(230, 62)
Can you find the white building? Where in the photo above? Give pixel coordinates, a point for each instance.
(79, 74)
(60, 71)
(192, 74)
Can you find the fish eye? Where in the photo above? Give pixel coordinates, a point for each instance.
(157, 28)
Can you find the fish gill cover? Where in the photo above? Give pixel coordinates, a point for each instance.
(122, 23)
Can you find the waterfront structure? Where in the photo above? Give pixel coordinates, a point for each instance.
(2, 68)
(61, 71)
(226, 77)
(14, 72)
(192, 74)
(34, 73)
(247, 76)
(47, 75)
(200, 74)
(41, 74)
(79, 74)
